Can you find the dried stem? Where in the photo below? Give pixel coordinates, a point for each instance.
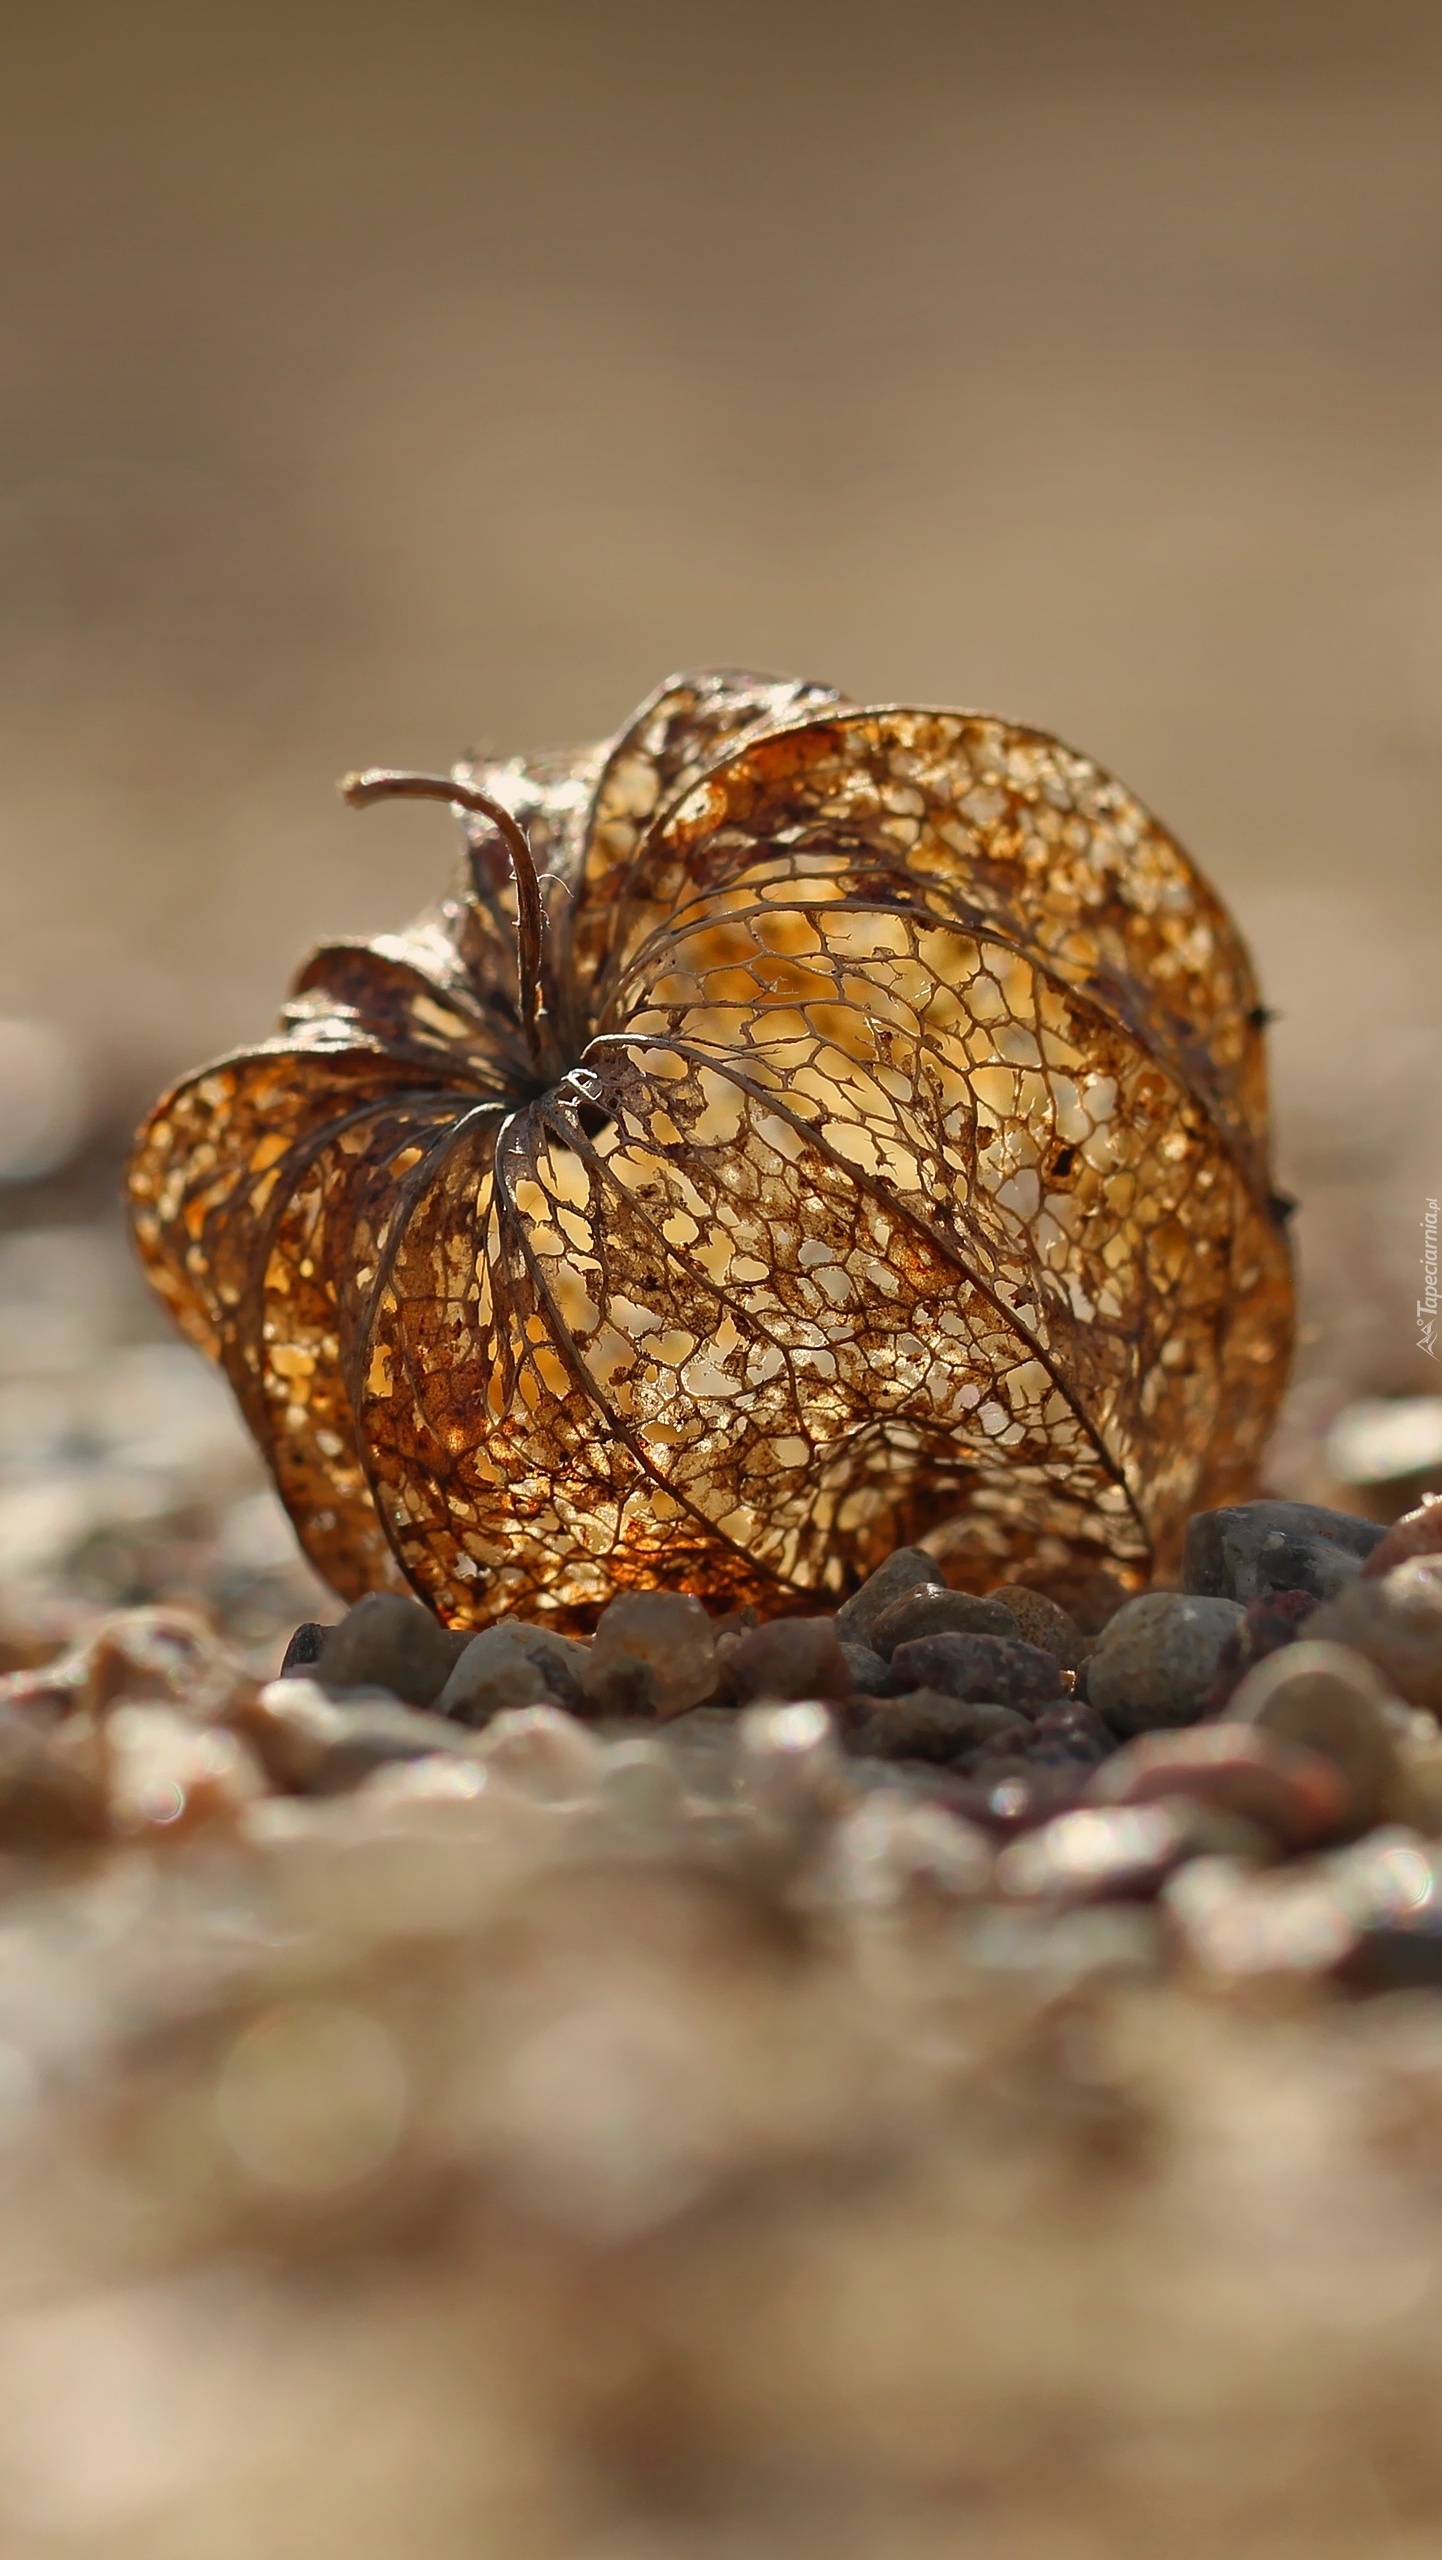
(360, 789)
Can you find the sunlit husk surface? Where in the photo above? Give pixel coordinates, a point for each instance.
(904, 1155)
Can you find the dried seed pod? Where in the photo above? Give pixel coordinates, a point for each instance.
(801, 1124)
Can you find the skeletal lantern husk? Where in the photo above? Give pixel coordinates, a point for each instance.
(889, 1148)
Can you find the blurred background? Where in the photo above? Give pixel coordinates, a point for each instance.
(380, 381)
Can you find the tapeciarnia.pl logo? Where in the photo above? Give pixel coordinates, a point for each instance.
(1427, 1303)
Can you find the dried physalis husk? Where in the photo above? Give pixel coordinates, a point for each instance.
(800, 1125)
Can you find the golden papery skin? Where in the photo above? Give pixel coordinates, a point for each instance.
(906, 1157)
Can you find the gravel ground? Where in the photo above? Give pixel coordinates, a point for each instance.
(677, 2124)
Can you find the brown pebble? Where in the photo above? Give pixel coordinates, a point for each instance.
(52, 1796)
(930, 1725)
(159, 1656)
(1296, 1794)
(1090, 1597)
(1334, 1702)
(1000, 1669)
(1272, 1620)
(653, 1653)
(932, 1610)
(1041, 1621)
(1417, 1798)
(1397, 1623)
(790, 1658)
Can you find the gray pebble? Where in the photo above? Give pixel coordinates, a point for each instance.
(1251, 1547)
(932, 1610)
(304, 1650)
(1157, 1659)
(998, 1668)
(902, 1571)
(870, 1676)
(1037, 1619)
(498, 1669)
(790, 1658)
(391, 1643)
(1334, 1701)
(562, 1660)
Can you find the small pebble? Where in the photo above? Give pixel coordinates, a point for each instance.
(1418, 1795)
(889, 1845)
(1157, 1661)
(165, 1775)
(561, 1660)
(1088, 1596)
(304, 1650)
(497, 1669)
(1294, 1793)
(313, 1744)
(1333, 1701)
(1010, 1800)
(931, 1724)
(155, 1656)
(654, 1653)
(640, 1783)
(1039, 1620)
(1390, 1884)
(1274, 1619)
(51, 1796)
(790, 1658)
(1239, 1925)
(1398, 1955)
(1071, 1731)
(1250, 1547)
(790, 1766)
(1397, 1623)
(999, 1668)
(389, 1642)
(902, 1571)
(1390, 1875)
(932, 1610)
(1095, 1853)
(702, 1745)
(1417, 1533)
(870, 1675)
(544, 1754)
